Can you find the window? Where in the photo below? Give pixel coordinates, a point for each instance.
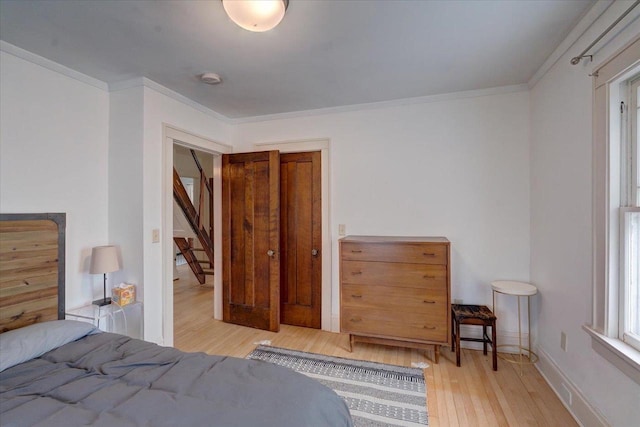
(630, 313)
(615, 327)
(630, 217)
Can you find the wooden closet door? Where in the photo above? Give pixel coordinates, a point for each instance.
(250, 239)
(300, 242)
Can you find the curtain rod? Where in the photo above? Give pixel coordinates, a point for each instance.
(576, 59)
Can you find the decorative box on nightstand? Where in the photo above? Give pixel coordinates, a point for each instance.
(126, 320)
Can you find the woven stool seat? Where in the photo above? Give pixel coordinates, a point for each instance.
(469, 314)
(461, 312)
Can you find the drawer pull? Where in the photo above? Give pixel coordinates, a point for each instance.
(428, 327)
(355, 273)
(427, 301)
(355, 319)
(356, 296)
(429, 254)
(429, 277)
(354, 251)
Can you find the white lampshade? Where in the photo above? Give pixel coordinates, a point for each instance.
(104, 259)
(256, 15)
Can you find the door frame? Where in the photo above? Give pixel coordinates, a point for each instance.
(172, 135)
(328, 321)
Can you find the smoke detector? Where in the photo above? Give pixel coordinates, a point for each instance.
(211, 78)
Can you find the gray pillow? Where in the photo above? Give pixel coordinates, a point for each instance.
(20, 345)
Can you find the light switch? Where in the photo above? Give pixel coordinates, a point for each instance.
(155, 235)
(342, 229)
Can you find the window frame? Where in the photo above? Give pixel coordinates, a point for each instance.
(634, 158)
(624, 305)
(610, 88)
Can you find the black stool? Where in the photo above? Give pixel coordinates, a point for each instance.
(473, 315)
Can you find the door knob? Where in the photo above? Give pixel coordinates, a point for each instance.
(271, 253)
(314, 252)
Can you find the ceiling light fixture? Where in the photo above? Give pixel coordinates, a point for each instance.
(256, 15)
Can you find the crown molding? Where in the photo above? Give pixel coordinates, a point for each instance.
(51, 65)
(148, 83)
(591, 16)
(386, 104)
(145, 82)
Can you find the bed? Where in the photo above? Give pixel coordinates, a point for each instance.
(66, 373)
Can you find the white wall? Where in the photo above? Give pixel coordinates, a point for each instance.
(457, 168)
(67, 146)
(136, 154)
(160, 109)
(125, 184)
(53, 158)
(561, 227)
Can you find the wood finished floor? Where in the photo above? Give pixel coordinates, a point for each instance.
(472, 395)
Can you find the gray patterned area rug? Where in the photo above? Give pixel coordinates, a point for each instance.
(377, 394)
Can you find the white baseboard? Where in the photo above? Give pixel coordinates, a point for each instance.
(570, 396)
(335, 324)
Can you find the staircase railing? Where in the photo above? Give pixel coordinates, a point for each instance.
(195, 219)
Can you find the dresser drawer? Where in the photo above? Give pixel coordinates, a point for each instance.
(395, 274)
(413, 253)
(411, 300)
(395, 324)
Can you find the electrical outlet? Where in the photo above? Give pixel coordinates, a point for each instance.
(563, 341)
(457, 301)
(342, 230)
(155, 235)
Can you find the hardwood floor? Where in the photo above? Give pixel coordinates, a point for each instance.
(472, 395)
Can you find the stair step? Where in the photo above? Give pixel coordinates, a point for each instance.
(197, 249)
(208, 271)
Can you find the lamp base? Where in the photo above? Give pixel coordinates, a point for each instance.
(102, 301)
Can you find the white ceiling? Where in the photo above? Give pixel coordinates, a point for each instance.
(323, 54)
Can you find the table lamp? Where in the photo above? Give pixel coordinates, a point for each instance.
(104, 259)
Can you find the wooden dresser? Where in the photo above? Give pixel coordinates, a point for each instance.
(396, 291)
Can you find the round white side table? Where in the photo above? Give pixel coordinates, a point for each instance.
(517, 289)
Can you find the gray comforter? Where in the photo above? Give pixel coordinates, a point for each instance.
(112, 380)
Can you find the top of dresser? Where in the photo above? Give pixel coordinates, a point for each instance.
(394, 239)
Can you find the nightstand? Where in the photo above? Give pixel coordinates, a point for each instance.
(126, 320)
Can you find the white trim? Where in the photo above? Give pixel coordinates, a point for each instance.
(386, 104)
(171, 135)
(624, 305)
(605, 332)
(51, 65)
(322, 145)
(569, 394)
(143, 81)
(146, 82)
(568, 43)
(195, 140)
(621, 355)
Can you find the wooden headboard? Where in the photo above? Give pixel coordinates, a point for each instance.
(32, 268)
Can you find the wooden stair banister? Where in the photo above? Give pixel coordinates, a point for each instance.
(193, 218)
(189, 256)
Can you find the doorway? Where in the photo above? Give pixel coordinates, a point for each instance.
(193, 221)
(171, 136)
